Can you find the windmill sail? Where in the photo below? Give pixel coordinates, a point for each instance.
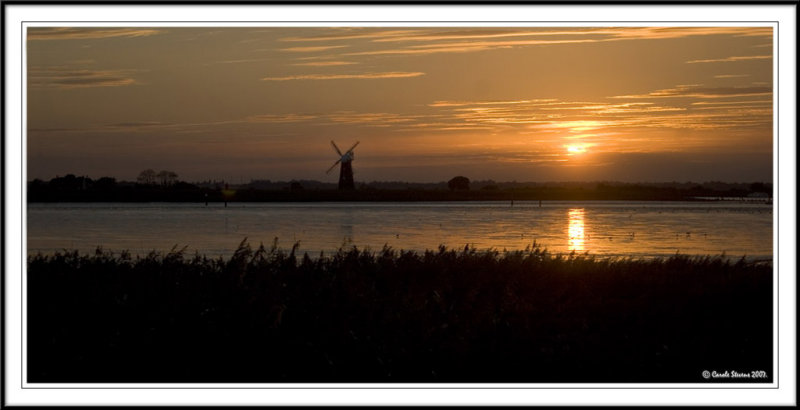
(336, 148)
(346, 168)
(333, 166)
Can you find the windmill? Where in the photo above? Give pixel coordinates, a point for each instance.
(346, 170)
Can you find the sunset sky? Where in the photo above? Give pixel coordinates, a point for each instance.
(426, 103)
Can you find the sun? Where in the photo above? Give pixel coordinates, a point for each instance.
(576, 149)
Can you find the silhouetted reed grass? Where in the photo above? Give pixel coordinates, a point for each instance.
(358, 315)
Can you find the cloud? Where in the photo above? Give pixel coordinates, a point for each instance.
(366, 119)
(345, 76)
(458, 40)
(570, 119)
(240, 61)
(731, 75)
(380, 118)
(479, 34)
(325, 63)
(697, 91)
(280, 118)
(604, 33)
(719, 103)
(730, 59)
(135, 125)
(443, 126)
(351, 33)
(310, 49)
(81, 33)
(653, 33)
(68, 78)
(466, 103)
(464, 47)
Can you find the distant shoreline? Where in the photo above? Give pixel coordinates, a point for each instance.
(83, 189)
(253, 195)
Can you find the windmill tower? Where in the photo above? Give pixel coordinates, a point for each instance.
(346, 170)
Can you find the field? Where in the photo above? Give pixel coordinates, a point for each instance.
(447, 315)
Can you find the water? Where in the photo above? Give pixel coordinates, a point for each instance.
(602, 228)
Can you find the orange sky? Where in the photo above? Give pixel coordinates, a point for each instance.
(506, 103)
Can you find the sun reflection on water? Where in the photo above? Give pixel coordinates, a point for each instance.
(576, 230)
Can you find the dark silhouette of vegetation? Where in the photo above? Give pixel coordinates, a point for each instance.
(167, 177)
(164, 186)
(458, 183)
(761, 187)
(147, 177)
(445, 315)
(163, 177)
(83, 189)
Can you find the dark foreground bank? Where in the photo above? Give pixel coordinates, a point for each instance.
(461, 316)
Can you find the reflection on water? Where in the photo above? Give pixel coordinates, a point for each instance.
(576, 230)
(603, 228)
(346, 227)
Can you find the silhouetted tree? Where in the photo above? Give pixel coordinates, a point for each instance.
(105, 183)
(37, 184)
(458, 183)
(70, 182)
(167, 177)
(760, 187)
(147, 177)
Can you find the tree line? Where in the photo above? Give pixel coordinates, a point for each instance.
(166, 186)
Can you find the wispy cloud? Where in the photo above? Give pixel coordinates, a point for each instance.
(280, 118)
(465, 103)
(463, 47)
(698, 91)
(653, 33)
(730, 59)
(393, 74)
(717, 103)
(344, 118)
(351, 33)
(480, 34)
(443, 126)
(82, 33)
(312, 49)
(600, 123)
(731, 75)
(598, 33)
(607, 124)
(68, 78)
(459, 40)
(240, 61)
(372, 119)
(606, 33)
(138, 124)
(325, 63)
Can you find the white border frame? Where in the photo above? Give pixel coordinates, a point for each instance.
(782, 392)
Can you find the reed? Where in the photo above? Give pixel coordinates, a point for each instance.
(269, 315)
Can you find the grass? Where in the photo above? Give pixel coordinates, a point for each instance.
(445, 315)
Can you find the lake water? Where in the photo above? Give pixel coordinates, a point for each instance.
(603, 228)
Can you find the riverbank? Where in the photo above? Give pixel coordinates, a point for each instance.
(462, 316)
